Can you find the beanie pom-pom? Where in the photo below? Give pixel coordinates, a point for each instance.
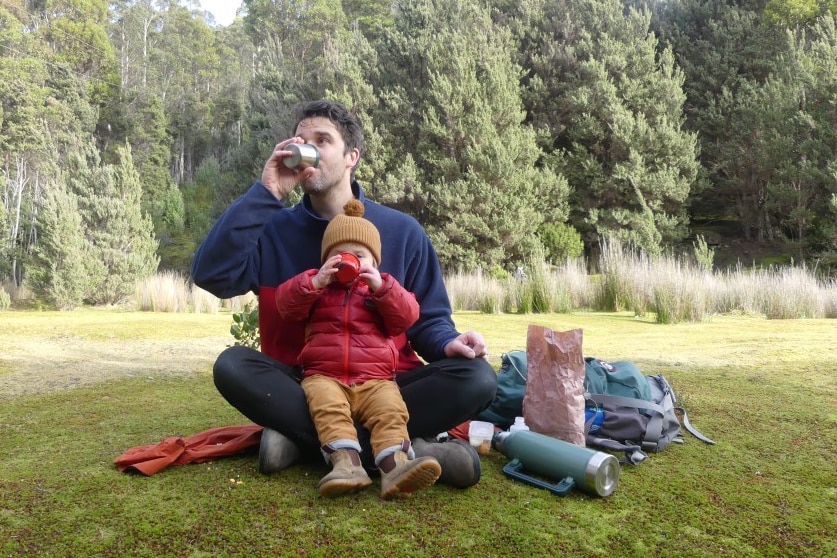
(354, 208)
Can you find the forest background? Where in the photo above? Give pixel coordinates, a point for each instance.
(505, 127)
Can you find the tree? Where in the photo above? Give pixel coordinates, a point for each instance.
(186, 66)
(746, 166)
(795, 13)
(468, 165)
(725, 52)
(229, 90)
(121, 237)
(183, 103)
(807, 181)
(561, 242)
(775, 159)
(60, 271)
(610, 107)
(147, 131)
(76, 33)
(44, 107)
(290, 39)
(369, 17)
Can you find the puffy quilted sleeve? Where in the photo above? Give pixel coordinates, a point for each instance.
(296, 296)
(398, 306)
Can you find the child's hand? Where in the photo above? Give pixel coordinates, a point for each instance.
(371, 276)
(325, 275)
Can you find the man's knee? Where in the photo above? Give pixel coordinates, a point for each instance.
(478, 380)
(484, 381)
(231, 365)
(230, 357)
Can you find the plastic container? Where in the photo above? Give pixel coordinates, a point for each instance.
(519, 425)
(480, 434)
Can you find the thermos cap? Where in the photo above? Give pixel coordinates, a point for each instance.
(303, 155)
(602, 473)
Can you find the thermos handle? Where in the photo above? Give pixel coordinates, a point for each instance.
(514, 467)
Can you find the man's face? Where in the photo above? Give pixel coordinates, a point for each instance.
(335, 165)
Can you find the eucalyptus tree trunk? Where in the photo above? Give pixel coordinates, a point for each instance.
(14, 191)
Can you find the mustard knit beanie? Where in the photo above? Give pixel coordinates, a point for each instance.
(352, 227)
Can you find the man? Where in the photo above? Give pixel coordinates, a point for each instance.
(259, 243)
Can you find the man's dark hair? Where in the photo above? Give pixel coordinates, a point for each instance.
(340, 116)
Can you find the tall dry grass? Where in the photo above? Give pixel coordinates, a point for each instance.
(672, 289)
(829, 300)
(164, 292)
(544, 289)
(169, 291)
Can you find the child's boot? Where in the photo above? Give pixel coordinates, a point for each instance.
(400, 475)
(346, 474)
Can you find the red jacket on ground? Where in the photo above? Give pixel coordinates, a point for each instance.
(197, 448)
(349, 332)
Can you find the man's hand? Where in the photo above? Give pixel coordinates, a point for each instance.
(279, 179)
(468, 345)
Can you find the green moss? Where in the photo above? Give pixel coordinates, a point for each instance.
(763, 490)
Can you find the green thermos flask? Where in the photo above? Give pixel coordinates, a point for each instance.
(593, 471)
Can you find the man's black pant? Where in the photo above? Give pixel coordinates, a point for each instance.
(439, 396)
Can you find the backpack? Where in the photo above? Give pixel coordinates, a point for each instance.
(511, 387)
(630, 412)
(615, 378)
(626, 411)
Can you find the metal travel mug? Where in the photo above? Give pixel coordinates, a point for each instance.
(593, 471)
(303, 155)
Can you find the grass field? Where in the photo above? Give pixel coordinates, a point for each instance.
(763, 389)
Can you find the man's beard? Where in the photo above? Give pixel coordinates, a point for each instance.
(317, 184)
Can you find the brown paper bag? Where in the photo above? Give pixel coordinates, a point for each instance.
(553, 404)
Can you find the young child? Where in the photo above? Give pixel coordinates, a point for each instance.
(349, 359)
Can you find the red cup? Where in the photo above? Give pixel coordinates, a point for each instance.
(348, 268)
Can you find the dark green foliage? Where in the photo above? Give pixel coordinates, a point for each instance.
(61, 271)
(96, 242)
(150, 140)
(560, 241)
(372, 16)
(793, 13)
(484, 120)
(724, 52)
(610, 108)
(121, 234)
(466, 165)
(822, 240)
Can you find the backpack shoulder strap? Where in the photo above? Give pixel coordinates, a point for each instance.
(685, 420)
(633, 453)
(692, 430)
(516, 361)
